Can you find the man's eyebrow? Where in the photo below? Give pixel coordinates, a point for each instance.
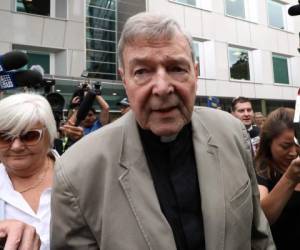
(140, 60)
(178, 60)
(147, 60)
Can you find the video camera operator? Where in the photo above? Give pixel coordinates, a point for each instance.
(91, 122)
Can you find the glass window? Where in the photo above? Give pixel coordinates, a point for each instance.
(101, 38)
(280, 69)
(101, 13)
(101, 34)
(101, 67)
(275, 14)
(239, 64)
(38, 7)
(189, 2)
(100, 23)
(100, 56)
(39, 59)
(107, 4)
(235, 8)
(100, 45)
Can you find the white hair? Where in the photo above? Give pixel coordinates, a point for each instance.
(19, 112)
(150, 27)
(38, 68)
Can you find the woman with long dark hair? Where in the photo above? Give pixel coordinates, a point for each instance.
(278, 174)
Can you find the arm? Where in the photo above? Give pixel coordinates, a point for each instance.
(104, 114)
(19, 235)
(274, 202)
(69, 229)
(70, 130)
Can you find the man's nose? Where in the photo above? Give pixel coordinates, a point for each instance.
(162, 83)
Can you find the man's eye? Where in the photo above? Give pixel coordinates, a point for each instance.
(141, 71)
(177, 69)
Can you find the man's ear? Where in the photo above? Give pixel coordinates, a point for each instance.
(196, 68)
(122, 74)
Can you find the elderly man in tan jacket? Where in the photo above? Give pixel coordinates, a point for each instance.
(165, 175)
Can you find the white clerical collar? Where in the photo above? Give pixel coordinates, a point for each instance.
(166, 139)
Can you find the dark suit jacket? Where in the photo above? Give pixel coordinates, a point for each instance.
(104, 197)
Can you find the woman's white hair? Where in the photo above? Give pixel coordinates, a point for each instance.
(150, 27)
(19, 112)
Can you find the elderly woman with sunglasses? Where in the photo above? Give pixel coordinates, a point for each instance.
(27, 132)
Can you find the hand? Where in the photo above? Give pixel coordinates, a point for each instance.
(19, 235)
(71, 131)
(293, 171)
(76, 101)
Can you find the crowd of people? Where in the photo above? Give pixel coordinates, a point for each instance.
(166, 175)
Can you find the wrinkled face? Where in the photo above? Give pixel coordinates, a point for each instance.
(21, 158)
(283, 149)
(89, 119)
(160, 82)
(244, 112)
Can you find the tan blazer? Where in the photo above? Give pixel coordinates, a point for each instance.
(104, 197)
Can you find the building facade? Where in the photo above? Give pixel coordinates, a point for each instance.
(244, 47)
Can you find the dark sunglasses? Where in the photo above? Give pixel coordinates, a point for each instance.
(29, 138)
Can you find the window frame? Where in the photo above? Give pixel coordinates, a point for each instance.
(51, 14)
(250, 64)
(199, 46)
(239, 17)
(250, 10)
(288, 63)
(38, 52)
(199, 4)
(100, 44)
(284, 18)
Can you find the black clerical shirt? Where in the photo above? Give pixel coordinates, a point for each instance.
(174, 172)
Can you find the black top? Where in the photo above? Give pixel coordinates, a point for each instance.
(286, 230)
(173, 169)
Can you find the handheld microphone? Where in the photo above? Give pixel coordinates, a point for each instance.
(15, 79)
(12, 60)
(85, 106)
(294, 10)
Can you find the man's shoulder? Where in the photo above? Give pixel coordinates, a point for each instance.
(223, 126)
(214, 117)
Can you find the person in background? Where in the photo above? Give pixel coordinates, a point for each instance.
(124, 105)
(91, 122)
(165, 175)
(259, 119)
(241, 108)
(27, 133)
(278, 175)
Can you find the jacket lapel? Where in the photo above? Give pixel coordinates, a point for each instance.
(211, 185)
(138, 186)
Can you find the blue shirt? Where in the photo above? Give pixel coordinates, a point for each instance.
(97, 124)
